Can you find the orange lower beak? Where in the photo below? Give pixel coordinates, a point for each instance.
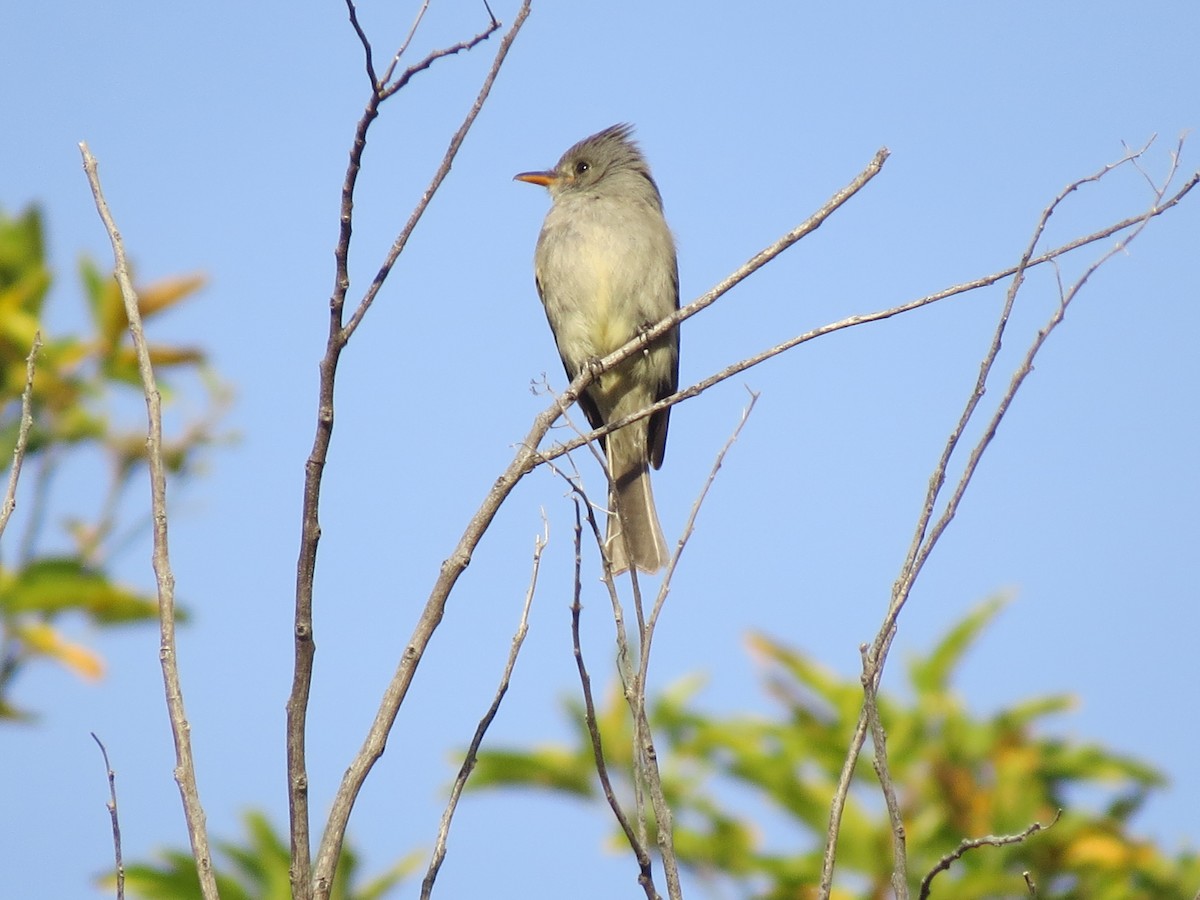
(545, 179)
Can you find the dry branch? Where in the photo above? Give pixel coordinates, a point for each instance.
(989, 840)
(926, 536)
(119, 865)
(472, 754)
(309, 880)
(185, 773)
(26, 423)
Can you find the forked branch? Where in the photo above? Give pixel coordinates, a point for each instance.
(928, 531)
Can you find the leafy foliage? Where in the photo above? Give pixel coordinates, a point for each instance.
(256, 869)
(82, 385)
(957, 776)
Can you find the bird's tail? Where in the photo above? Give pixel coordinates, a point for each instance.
(634, 537)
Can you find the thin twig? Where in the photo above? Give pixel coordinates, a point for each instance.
(883, 773)
(647, 771)
(26, 423)
(472, 754)
(45, 466)
(575, 482)
(331, 841)
(112, 814)
(647, 755)
(185, 774)
(443, 170)
(912, 564)
(625, 668)
(916, 561)
(690, 526)
(412, 32)
(926, 538)
(527, 458)
(636, 842)
(849, 322)
(990, 840)
(644, 744)
(305, 647)
(362, 37)
(645, 338)
(386, 90)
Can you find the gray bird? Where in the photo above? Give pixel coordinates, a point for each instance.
(605, 269)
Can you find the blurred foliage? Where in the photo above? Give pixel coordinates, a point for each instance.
(254, 870)
(85, 385)
(956, 776)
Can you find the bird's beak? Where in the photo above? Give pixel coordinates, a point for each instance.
(545, 179)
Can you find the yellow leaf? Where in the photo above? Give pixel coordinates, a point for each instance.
(1103, 850)
(41, 638)
(167, 292)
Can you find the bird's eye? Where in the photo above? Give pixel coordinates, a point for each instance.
(581, 167)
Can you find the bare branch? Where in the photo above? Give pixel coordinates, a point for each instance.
(624, 665)
(330, 848)
(648, 756)
(443, 170)
(645, 749)
(112, 814)
(185, 774)
(527, 458)
(14, 474)
(690, 527)
(852, 321)
(472, 754)
(916, 555)
(366, 43)
(989, 840)
(386, 90)
(647, 778)
(412, 31)
(883, 773)
(926, 538)
(748, 268)
(636, 841)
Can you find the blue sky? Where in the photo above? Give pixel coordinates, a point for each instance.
(222, 132)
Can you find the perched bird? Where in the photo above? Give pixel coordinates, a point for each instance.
(605, 270)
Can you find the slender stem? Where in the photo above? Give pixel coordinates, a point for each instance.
(926, 537)
(636, 841)
(119, 864)
(185, 774)
(472, 754)
(329, 851)
(26, 423)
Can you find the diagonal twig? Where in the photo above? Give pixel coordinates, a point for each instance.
(527, 458)
(989, 840)
(862, 319)
(886, 785)
(26, 423)
(645, 752)
(472, 754)
(927, 536)
(329, 851)
(112, 815)
(636, 839)
(185, 772)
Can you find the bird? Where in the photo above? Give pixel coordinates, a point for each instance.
(605, 269)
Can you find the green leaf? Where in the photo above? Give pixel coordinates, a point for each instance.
(59, 584)
(255, 868)
(548, 767)
(931, 676)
